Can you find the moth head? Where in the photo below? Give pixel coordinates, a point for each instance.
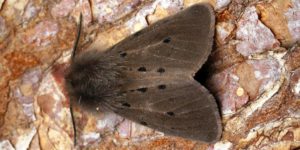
(92, 77)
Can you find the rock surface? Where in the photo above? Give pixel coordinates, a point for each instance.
(253, 72)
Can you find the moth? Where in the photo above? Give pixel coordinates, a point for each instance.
(148, 77)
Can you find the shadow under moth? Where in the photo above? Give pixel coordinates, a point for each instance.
(148, 77)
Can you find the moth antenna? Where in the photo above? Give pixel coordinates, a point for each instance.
(75, 47)
(73, 122)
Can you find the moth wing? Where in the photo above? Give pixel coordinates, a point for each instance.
(182, 108)
(181, 42)
(159, 63)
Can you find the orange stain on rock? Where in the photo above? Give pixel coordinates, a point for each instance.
(171, 143)
(272, 15)
(19, 62)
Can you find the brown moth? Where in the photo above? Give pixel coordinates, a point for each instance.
(148, 77)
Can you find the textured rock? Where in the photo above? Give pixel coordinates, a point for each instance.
(253, 72)
(254, 36)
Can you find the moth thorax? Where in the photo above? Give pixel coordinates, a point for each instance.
(92, 78)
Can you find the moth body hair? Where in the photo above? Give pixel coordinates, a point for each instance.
(94, 77)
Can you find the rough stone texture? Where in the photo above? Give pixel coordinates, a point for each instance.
(254, 37)
(253, 72)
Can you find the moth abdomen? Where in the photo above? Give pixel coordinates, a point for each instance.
(94, 77)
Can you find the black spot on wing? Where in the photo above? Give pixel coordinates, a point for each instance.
(162, 87)
(171, 113)
(167, 40)
(161, 70)
(142, 69)
(125, 104)
(143, 90)
(123, 54)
